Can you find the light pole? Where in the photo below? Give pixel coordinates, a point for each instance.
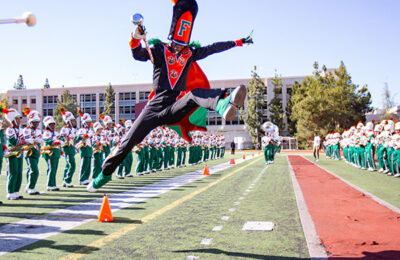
(258, 118)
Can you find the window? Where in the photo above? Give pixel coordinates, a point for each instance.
(144, 96)
(24, 101)
(15, 101)
(33, 100)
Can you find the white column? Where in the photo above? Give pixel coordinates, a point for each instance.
(97, 107)
(116, 107)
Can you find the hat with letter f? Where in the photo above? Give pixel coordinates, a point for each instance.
(184, 13)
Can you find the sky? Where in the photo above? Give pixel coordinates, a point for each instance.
(85, 42)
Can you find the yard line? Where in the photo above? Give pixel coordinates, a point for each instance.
(19, 234)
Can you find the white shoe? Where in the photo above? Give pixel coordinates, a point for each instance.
(380, 170)
(32, 192)
(129, 175)
(12, 196)
(90, 187)
(316, 160)
(68, 185)
(385, 171)
(390, 174)
(237, 98)
(370, 169)
(397, 175)
(120, 177)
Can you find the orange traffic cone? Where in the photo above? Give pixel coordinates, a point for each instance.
(206, 171)
(244, 157)
(232, 161)
(105, 214)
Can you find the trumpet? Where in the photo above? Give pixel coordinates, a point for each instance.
(80, 144)
(48, 149)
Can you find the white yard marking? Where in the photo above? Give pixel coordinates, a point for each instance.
(206, 241)
(26, 232)
(258, 226)
(192, 257)
(240, 198)
(225, 218)
(236, 203)
(231, 209)
(217, 228)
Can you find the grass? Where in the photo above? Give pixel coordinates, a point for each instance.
(381, 185)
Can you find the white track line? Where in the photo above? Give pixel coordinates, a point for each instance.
(314, 248)
(19, 234)
(380, 201)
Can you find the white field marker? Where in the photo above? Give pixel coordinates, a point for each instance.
(225, 218)
(217, 228)
(206, 241)
(258, 226)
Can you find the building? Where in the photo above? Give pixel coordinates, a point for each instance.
(90, 99)
(378, 114)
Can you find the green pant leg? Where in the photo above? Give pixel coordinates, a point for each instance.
(172, 156)
(183, 162)
(139, 164)
(52, 165)
(1, 162)
(266, 154)
(101, 180)
(121, 167)
(165, 155)
(69, 168)
(128, 163)
(97, 162)
(32, 173)
(12, 174)
(85, 169)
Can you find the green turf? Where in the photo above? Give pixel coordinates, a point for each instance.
(381, 185)
(70, 241)
(178, 233)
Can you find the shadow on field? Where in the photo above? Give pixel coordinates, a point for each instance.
(216, 251)
(388, 254)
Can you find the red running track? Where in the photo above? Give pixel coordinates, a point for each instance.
(348, 223)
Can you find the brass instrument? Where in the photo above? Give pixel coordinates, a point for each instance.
(80, 144)
(16, 150)
(47, 149)
(97, 149)
(13, 153)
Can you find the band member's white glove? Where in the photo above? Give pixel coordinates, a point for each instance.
(139, 34)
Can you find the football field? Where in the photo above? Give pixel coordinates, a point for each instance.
(182, 214)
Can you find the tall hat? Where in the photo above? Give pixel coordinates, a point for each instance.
(118, 128)
(105, 119)
(185, 12)
(33, 115)
(86, 118)
(97, 126)
(10, 114)
(128, 123)
(48, 120)
(66, 115)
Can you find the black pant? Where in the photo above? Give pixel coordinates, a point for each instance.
(162, 109)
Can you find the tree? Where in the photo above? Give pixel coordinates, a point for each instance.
(20, 83)
(291, 124)
(275, 105)
(252, 117)
(68, 103)
(387, 102)
(327, 102)
(46, 84)
(109, 100)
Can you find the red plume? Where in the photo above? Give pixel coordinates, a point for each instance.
(62, 110)
(101, 115)
(26, 110)
(80, 112)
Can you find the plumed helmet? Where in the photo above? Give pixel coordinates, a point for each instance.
(360, 125)
(128, 123)
(268, 127)
(397, 126)
(48, 120)
(97, 126)
(370, 126)
(12, 114)
(107, 120)
(66, 115)
(32, 115)
(86, 118)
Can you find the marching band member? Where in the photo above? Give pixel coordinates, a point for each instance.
(13, 153)
(98, 144)
(107, 133)
(51, 151)
(33, 137)
(119, 133)
(126, 164)
(2, 141)
(84, 145)
(67, 136)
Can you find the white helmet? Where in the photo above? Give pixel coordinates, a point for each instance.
(48, 120)
(370, 126)
(128, 123)
(66, 116)
(12, 114)
(86, 118)
(360, 125)
(97, 126)
(33, 115)
(106, 119)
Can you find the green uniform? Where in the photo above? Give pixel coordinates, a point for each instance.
(67, 135)
(86, 154)
(2, 144)
(51, 138)
(34, 137)
(14, 169)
